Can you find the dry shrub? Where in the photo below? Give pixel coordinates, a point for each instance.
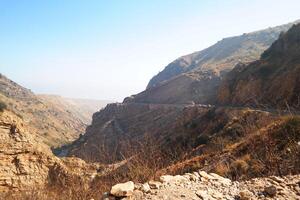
(222, 169)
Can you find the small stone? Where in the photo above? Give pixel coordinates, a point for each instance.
(122, 189)
(205, 175)
(145, 188)
(270, 191)
(154, 184)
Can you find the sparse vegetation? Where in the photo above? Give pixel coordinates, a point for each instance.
(3, 106)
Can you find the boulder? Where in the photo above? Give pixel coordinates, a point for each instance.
(122, 189)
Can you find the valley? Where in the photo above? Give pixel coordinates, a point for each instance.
(221, 123)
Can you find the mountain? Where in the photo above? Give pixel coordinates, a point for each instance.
(81, 108)
(273, 81)
(224, 55)
(55, 125)
(233, 140)
(196, 77)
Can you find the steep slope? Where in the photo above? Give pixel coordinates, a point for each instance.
(273, 81)
(196, 77)
(81, 108)
(54, 125)
(224, 55)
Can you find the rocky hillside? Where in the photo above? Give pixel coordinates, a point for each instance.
(237, 143)
(54, 124)
(196, 77)
(81, 108)
(27, 163)
(273, 81)
(201, 185)
(224, 55)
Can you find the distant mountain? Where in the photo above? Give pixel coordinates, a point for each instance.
(196, 77)
(273, 81)
(55, 125)
(81, 108)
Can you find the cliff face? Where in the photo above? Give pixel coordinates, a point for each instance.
(27, 163)
(196, 77)
(273, 81)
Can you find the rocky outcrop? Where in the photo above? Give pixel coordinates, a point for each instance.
(272, 82)
(201, 185)
(27, 163)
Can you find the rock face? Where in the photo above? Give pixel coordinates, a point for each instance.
(273, 81)
(27, 163)
(212, 187)
(196, 77)
(23, 162)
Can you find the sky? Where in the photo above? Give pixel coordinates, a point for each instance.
(110, 49)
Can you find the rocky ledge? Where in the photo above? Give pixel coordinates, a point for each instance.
(201, 185)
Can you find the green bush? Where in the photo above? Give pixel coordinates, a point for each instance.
(2, 106)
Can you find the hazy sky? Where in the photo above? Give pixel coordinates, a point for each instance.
(110, 49)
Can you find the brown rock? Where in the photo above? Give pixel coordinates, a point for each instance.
(270, 191)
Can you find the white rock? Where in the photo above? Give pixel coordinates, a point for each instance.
(172, 179)
(205, 175)
(122, 189)
(145, 188)
(166, 178)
